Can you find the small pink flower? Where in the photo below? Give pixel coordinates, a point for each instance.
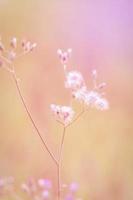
(64, 55)
(69, 197)
(33, 46)
(13, 42)
(11, 55)
(28, 46)
(74, 187)
(102, 104)
(25, 188)
(94, 73)
(63, 113)
(74, 80)
(45, 183)
(91, 97)
(45, 194)
(80, 94)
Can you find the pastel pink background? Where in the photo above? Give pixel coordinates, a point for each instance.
(98, 149)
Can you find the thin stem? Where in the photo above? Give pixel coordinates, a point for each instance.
(12, 71)
(59, 122)
(31, 119)
(62, 142)
(58, 179)
(6, 59)
(61, 149)
(76, 118)
(59, 162)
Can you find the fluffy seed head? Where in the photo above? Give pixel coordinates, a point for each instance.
(74, 80)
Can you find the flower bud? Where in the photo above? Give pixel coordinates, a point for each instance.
(102, 85)
(94, 73)
(33, 46)
(13, 43)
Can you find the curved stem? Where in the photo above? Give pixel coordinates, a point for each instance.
(31, 119)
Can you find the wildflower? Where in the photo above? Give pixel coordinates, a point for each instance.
(63, 113)
(33, 46)
(94, 74)
(25, 188)
(91, 97)
(28, 46)
(11, 55)
(69, 197)
(74, 80)
(45, 194)
(64, 56)
(13, 42)
(32, 184)
(23, 43)
(74, 187)
(45, 183)
(80, 94)
(102, 104)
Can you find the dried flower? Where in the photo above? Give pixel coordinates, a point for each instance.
(74, 80)
(63, 113)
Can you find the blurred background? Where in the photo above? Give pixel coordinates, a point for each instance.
(98, 152)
